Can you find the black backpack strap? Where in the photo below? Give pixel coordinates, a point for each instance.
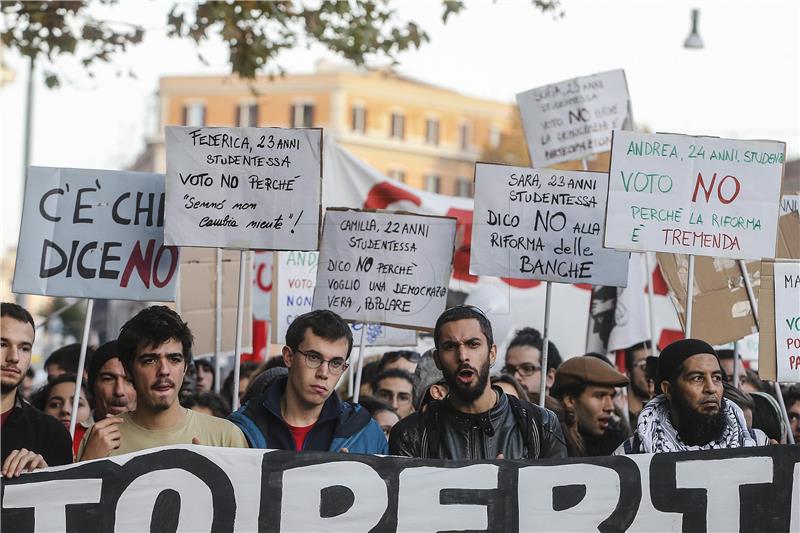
(529, 421)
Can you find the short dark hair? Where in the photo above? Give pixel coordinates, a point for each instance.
(522, 394)
(103, 354)
(39, 398)
(375, 406)
(767, 415)
(532, 337)
(68, 357)
(323, 323)
(463, 312)
(791, 396)
(394, 373)
(17, 312)
(216, 403)
(739, 397)
(153, 326)
(629, 353)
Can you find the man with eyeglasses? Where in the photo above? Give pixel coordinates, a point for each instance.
(638, 387)
(475, 421)
(396, 388)
(524, 358)
(301, 411)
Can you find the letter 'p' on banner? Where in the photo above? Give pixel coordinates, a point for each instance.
(94, 234)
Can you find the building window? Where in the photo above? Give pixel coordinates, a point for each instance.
(302, 115)
(359, 119)
(432, 131)
(247, 115)
(463, 187)
(464, 133)
(433, 183)
(398, 175)
(494, 137)
(194, 114)
(398, 126)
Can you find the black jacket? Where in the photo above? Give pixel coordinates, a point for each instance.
(29, 428)
(515, 428)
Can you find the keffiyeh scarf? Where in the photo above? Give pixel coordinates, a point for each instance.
(658, 435)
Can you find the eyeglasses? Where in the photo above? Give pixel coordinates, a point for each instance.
(410, 355)
(525, 369)
(336, 365)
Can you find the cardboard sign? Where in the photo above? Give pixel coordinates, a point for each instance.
(721, 306)
(384, 267)
(244, 188)
(297, 277)
(694, 195)
(543, 224)
(94, 234)
(573, 119)
(196, 301)
(202, 488)
(787, 320)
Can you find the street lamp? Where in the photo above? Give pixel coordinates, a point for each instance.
(694, 40)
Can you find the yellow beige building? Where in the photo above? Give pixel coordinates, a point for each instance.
(426, 136)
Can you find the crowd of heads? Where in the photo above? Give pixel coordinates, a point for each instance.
(599, 406)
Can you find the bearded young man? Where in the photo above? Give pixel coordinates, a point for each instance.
(475, 421)
(691, 413)
(155, 348)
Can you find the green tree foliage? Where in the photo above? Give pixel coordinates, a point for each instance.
(253, 31)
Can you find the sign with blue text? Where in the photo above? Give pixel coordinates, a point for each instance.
(694, 195)
(244, 188)
(94, 234)
(385, 267)
(543, 224)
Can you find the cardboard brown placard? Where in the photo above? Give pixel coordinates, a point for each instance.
(721, 311)
(197, 294)
(767, 359)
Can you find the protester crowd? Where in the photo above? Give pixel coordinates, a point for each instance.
(145, 390)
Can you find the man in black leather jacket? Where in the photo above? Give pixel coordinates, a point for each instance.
(476, 421)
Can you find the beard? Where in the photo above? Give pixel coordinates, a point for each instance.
(639, 392)
(8, 386)
(468, 393)
(697, 428)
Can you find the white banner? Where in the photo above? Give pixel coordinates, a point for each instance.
(243, 188)
(694, 195)
(543, 224)
(201, 488)
(573, 119)
(787, 321)
(384, 267)
(94, 234)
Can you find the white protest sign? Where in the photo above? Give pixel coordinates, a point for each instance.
(243, 188)
(790, 203)
(94, 234)
(787, 320)
(297, 276)
(694, 195)
(573, 119)
(384, 267)
(543, 224)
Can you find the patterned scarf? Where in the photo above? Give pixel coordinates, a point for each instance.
(658, 435)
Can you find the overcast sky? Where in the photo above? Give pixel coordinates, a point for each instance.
(743, 84)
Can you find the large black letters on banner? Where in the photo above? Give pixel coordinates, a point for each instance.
(746, 489)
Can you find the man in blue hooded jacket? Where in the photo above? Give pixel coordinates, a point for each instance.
(301, 411)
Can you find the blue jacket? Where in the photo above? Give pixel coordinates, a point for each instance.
(340, 425)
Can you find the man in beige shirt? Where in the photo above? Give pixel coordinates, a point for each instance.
(155, 347)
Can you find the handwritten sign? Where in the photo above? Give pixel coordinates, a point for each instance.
(694, 195)
(543, 224)
(244, 188)
(95, 234)
(787, 320)
(384, 267)
(297, 277)
(573, 119)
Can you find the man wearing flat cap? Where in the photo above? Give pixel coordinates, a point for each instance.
(586, 386)
(689, 412)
